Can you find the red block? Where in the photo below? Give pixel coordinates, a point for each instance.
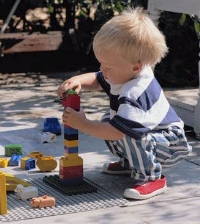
(72, 101)
(72, 172)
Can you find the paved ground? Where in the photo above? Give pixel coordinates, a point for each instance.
(24, 105)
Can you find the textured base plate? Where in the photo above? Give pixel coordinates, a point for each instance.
(65, 204)
(84, 187)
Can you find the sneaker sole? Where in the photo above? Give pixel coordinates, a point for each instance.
(105, 170)
(133, 194)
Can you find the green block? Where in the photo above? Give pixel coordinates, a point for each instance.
(13, 149)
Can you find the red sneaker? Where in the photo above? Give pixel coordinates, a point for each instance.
(145, 190)
(116, 168)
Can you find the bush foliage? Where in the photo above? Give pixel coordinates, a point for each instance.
(83, 18)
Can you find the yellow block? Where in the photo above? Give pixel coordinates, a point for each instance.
(12, 182)
(35, 155)
(46, 163)
(23, 162)
(71, 155)
(3, 198)
(3, 162)
(73, 143)
(65, 162)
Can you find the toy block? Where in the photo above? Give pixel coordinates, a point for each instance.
(52, 125)
(23, 162)
(3, 198)
(35, 155)
(69, 189)
(46, 137)
(71, 137)
(71, 150)
(71, 172)
(72, 101)
(70, 144)
(12, 182)
(71, 182)
(65, 161)
(46, 163)
(72, 156)
(70, 131)
(3, 162)
(14, 160)
(30, 164)
(13, 149)
(71, 175)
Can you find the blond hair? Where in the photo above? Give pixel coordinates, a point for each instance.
(133, 36)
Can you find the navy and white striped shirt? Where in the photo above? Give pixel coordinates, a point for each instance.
(139, 106)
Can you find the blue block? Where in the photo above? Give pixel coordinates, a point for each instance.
(30, 164)
(70, 131)
(71, 149)
(14, 160)
(52, 125)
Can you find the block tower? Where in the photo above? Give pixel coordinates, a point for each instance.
(71, 164)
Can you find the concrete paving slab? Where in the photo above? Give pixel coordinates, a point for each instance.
(23, 111)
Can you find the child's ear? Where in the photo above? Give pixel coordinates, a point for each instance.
(137, 67)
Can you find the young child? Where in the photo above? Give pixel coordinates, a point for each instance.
(141, 127)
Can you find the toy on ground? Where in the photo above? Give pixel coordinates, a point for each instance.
(11, 149)
(25, 193)
(12, 182)
(43, 202)
(52, 125)
(70, 180)
(3, 197)
(35, 155)
(3, 162)
(27, 163)
(14, 160)
(71, 164)
(46, 163)
(46, 137)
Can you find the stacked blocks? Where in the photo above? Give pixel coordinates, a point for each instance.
(27, 163)
(71, 164)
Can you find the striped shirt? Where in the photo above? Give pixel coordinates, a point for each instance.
(139, 106)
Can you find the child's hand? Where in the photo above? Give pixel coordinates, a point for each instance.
(72, 83)
(73, 118)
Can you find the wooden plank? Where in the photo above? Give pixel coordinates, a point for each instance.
(25, 42)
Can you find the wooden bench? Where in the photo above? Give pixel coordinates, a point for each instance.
(25, 42)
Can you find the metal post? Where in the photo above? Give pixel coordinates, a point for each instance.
(12, 11)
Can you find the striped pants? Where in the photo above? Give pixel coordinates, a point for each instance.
(147, 156)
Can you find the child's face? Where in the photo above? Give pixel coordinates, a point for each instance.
(116, 69)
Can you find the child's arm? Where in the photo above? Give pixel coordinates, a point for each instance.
(103, 130)
(84, 81)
